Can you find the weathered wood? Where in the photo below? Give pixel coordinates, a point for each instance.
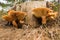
(27, 7)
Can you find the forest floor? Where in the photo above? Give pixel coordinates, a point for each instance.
(11, 33)
(50, 32)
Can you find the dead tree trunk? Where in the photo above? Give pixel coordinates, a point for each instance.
(27, 7)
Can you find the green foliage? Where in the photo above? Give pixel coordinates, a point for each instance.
(10, 0)
(2, 13)
(4, 5)
(55, 8)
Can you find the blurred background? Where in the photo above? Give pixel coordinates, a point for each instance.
(5, 5)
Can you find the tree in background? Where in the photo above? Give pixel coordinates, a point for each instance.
(9, 3)
(59, 6)
(56, 5)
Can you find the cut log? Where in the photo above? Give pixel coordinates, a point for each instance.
(27, 7)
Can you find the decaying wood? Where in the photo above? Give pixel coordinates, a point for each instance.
(27, 7)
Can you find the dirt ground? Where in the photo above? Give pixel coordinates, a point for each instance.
(11, 33)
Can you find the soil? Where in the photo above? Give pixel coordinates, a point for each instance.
(51, 32)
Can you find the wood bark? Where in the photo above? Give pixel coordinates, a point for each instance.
(28, 7)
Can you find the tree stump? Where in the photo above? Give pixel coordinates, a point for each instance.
(27, 7)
